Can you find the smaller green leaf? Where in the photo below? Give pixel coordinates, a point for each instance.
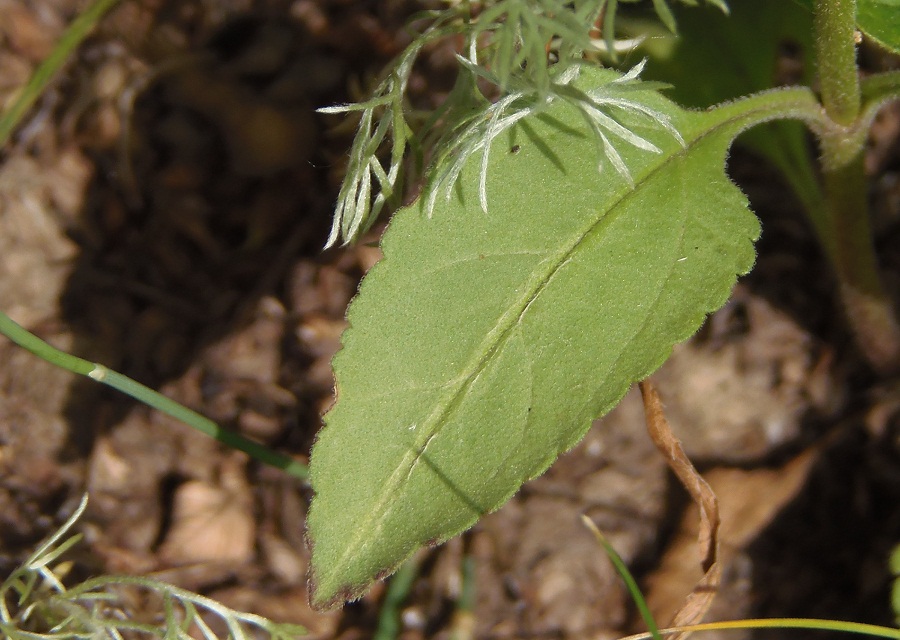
(880, 20)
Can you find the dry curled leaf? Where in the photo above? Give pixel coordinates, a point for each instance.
(700, 599)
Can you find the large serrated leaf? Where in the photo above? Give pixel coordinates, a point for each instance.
(484, 344)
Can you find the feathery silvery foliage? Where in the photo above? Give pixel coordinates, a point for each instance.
(36, 605)
(528, 53)
(477, 135)
(383, 114)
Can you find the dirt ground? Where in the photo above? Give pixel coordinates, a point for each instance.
(162, 211)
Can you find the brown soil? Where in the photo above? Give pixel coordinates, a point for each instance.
(163, 210)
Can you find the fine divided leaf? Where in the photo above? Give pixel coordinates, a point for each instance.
(484, 344)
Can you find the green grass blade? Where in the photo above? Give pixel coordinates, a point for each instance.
(625, 574)
(813, 624)
(389, 623)
(73, 36)
(148, 396)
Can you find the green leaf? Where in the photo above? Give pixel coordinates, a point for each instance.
(880, 20)
(717, 57)
(720, 57)
(484, 344)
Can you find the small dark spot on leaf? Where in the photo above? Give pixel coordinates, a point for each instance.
(515, 148)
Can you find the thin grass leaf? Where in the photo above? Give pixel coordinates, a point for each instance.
(100, 596)
(620, 45)
(568, 25)
(389, 620)
(24, 587)
(606, 148)
(630, 583)
(378, 136)
(235, 629)
(362, 200)
(89, 610)
(194, 617)
(813, 624)
(74, 35)
(356, 207)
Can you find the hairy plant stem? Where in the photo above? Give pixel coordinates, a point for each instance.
(847, 235)
(868, 308)
(834, 23)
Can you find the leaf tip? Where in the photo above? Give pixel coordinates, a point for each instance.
(323, 600)
(326, 590)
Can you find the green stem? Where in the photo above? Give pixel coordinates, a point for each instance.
(834, 23)
(868, 308)
(845, 232)
(148, 396)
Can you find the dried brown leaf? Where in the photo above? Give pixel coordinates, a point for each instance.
(701, 597)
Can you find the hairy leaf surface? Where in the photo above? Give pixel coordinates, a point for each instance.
(484, 344)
